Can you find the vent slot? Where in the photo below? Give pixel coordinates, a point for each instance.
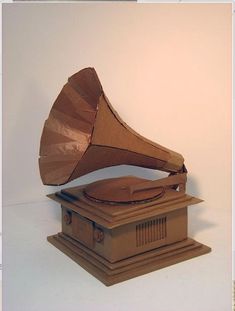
(151, 231)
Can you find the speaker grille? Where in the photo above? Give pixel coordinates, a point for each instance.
(151, 231)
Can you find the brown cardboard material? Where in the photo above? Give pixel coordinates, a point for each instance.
(135, 266)
(83, 133)
(116, 228)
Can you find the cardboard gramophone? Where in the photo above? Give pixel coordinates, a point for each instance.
(115, 228)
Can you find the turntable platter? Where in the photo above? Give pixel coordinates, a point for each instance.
(118, 190)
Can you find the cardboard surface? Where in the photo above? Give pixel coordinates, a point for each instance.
(139, 264)
(114, 215)
(83, 133)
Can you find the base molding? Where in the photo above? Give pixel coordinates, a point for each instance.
(112, 273)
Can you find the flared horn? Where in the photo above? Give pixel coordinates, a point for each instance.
(83, 133)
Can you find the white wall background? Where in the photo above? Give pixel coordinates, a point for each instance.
(165, 68)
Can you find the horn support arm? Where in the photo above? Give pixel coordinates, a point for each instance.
(173, 180)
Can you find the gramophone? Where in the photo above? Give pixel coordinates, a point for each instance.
(116, 228)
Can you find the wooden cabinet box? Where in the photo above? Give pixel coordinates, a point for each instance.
(116, 243)
(126, 240)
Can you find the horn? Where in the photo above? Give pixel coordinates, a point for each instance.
(83, 133)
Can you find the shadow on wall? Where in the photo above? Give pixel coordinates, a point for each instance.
(112, 172)
(196, 211)
(198, 223)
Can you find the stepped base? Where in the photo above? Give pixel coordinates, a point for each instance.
(112, 273)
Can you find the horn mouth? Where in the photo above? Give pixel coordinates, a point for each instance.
(67, 131)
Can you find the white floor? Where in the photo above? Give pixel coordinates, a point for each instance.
(36, 276)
